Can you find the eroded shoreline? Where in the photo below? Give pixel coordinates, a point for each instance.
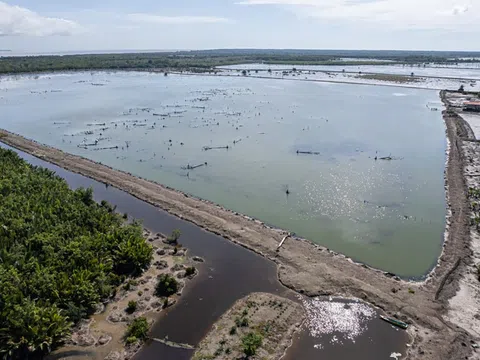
(311, 269)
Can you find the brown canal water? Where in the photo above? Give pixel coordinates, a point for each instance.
(229, 273)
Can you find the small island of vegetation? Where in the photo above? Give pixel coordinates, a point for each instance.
(259, 326)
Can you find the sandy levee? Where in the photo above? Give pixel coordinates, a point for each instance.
(314, 270)
(464, 306)
(102, 336)
(260, 325)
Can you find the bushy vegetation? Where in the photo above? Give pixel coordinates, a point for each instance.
(167, 285)
(60, 254)
(251, 342)
(173, 238)
(189, 271)
(131, 307)
(137, 330)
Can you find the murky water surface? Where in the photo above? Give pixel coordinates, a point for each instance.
(387, 213)
(229, 273)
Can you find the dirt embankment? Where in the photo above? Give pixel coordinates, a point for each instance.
(314, 270)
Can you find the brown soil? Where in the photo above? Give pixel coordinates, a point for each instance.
(101, 336)
(311, 269)
(272, 317)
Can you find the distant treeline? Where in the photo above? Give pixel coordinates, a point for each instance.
(206, 60)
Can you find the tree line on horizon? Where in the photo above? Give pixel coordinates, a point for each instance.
(201, 61)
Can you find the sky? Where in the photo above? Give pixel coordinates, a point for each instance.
(43, 26)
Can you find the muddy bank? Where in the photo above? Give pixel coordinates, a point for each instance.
(310, 269)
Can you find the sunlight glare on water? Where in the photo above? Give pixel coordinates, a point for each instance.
(234, 141)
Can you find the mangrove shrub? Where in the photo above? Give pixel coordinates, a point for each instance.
(61, 253)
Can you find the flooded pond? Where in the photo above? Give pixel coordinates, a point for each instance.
(398, 69)
(244, 135)
(229, 273)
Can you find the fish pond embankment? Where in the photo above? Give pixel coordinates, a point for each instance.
(303, 266)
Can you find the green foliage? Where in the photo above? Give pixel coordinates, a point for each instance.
(131, 340)
(251, 342)
(131, 307)
(137, 330)
(190, 271)
(233, 330)
(28, 327)
(167, 285)
(60, 254)
(173, 238)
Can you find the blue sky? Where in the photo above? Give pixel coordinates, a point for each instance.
(69, 25)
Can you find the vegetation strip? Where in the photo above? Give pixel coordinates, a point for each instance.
(61, 253)
(202, 61)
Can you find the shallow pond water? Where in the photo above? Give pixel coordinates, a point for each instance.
(438, 71)
(389, 214)
(229, 273)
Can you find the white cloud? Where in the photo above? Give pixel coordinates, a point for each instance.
(419, 14)
(15, 20)
(158, 19)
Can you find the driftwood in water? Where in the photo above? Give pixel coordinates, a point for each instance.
(308, 152)
(107, 148)
(387, 158)
(205, 148)
(190, 167)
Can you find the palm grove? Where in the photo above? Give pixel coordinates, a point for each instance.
(61, 253)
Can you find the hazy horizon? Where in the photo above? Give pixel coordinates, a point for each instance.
(333, 52)
(30, 26)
